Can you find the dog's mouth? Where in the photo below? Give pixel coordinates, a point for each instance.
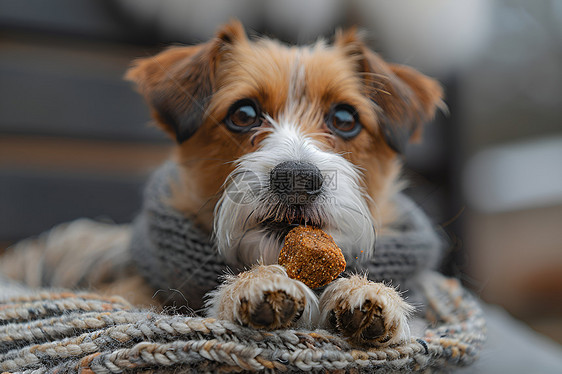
(276, 225)
(296, 216)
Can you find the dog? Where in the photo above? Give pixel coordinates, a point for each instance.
(245, 112)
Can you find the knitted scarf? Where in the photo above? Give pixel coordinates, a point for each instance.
(172, 253)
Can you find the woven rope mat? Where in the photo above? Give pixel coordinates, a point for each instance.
(66, 332)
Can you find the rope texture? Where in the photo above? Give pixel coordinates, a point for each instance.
(44, 331)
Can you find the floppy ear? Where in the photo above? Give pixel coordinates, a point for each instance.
(406, 98)
(179, 82)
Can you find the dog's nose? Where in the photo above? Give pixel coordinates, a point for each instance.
(296, 181)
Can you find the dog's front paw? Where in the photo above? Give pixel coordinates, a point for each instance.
(263, 298)
(365, 312)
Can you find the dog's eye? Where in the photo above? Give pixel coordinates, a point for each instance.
(343, 121)
(243, 115)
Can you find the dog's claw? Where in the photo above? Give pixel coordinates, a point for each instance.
(361, 325)
(375, 329)
(276, 310)
(350, 321)
(263, 315)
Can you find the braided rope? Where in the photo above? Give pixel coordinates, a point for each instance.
(45, 304)
(90, 334)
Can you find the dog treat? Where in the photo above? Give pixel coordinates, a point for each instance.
(311, 256)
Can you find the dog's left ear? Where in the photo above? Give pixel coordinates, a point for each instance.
(179, 82)
(406, 98)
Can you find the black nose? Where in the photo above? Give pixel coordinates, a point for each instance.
(295, 181)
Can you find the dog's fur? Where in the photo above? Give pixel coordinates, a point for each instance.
(191, 90)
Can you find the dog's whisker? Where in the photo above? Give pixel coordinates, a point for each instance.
(358, 211)
(248, 219)
(190, 277)
(205, 204)
(360, 214)
(375, 90)
(323, 134)
(373, 74)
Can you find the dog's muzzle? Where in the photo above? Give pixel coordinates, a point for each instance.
(291, 181)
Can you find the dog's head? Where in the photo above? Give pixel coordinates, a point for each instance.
(270, 136)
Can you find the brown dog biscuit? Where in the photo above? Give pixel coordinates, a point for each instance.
(311, 256)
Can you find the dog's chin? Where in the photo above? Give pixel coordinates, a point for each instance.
(260, 244)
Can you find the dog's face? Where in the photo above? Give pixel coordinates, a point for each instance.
(270, 136)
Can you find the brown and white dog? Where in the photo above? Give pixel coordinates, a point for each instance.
(244, 112)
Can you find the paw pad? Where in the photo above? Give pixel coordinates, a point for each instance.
(364, 325)
(276, 310)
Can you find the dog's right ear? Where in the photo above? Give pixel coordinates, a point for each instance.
(405, 98)
(179, 82)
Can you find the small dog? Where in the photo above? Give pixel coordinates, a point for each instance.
(268, 137)
(244, 114)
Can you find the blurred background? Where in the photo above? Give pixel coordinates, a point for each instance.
(75, 139)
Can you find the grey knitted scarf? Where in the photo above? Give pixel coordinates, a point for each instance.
(173, 254)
